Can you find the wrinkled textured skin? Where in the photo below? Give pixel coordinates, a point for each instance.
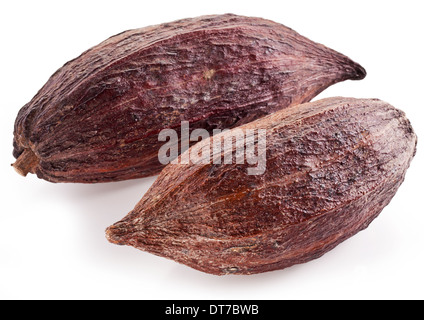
(97, 119)
(332, 166)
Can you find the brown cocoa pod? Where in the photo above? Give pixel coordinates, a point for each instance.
(332, 166)
(98, 117)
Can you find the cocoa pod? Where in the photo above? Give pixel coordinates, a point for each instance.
(332, 166)
(98, 117)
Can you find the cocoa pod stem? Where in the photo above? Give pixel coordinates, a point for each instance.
(26, 162)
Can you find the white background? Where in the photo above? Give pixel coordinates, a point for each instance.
(52, 243)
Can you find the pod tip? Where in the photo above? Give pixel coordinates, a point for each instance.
(360, 72)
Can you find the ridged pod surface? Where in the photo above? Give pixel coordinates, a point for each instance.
(331, 167)
(97, 119)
